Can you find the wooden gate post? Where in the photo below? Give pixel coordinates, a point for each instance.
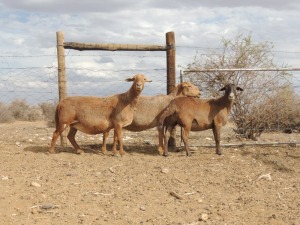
(171, 68)
(62, 82)
(171, 75)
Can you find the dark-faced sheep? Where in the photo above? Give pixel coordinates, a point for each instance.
(95, 115)
(196, 115)
(149, 109)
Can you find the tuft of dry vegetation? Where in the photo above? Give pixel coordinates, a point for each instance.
(20, 110)
(48, 109)
(5, 115)
(279, 112)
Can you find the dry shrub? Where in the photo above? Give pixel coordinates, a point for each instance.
(35, 113)
(286, 110)
(278, 111)
(21, 110)
(267, 102)
(5, 115)
(49, 111)
(18, 109)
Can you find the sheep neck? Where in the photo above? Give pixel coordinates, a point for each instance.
(176, 92)
(223, 102)
(132, 95)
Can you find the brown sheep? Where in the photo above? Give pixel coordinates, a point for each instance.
(149, 109)
(197, 115)
(95, 115)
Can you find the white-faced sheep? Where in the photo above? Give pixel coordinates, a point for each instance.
(197, 115)
(95, 115)
(149, 109)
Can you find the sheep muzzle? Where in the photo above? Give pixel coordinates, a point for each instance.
(231, 96)
(139, 86)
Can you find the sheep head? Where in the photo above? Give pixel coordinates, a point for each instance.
(138, 82)
(188, 89)
(230, 91)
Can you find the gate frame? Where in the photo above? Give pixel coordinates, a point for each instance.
(169, 48)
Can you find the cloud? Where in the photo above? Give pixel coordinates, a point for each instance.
(274, 4)
(71, 6)
(67, 6)
(28, 28)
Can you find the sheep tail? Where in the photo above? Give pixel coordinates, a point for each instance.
(167, 112)
(56, 118)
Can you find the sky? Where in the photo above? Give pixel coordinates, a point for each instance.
(28, 63)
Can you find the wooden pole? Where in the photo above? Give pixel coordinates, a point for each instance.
(112, 47)
(62, 82)
(171, 76)
(171, 68)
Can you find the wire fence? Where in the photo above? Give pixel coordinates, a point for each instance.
(87, 74)
(34, 78)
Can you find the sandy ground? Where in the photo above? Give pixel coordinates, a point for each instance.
(247, 185)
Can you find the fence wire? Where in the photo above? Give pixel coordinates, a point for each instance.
(104, 74)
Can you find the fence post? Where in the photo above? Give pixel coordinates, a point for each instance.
(171, 75)
(171, 70)
(62, 82)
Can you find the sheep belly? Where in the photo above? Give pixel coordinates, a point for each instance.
(95, 128)
(199, 126)
(142, 123)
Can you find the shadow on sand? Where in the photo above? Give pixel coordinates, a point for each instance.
(95, 149)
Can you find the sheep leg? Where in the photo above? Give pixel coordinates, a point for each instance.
(103, 148)
(56, 134)
(167, 135)
(71, 137)
(160, 141)
(115, 142)
(118, 137)
(185, 138)
(216, 131)
(166, 139)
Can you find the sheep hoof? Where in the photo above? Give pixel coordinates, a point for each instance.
(79, 151)
(165, 154)
(51, 151)
(122, 153)
(103, 152)
(160, 151)
(188, 154)
(115, 153)
(218, 152)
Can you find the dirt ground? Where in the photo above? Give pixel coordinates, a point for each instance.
(247, 185)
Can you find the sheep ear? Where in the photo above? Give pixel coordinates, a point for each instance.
(223, 89)
(130, 79)
(239, 89)
(147, 80)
